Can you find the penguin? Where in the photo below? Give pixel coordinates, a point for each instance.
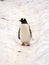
(24, 33)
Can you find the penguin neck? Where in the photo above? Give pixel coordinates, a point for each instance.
(24, 23)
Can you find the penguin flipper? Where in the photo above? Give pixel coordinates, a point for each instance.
(19, 33)
(30, 32)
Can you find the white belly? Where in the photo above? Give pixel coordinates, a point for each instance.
(24, 33)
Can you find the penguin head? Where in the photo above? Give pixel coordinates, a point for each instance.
(23, 21)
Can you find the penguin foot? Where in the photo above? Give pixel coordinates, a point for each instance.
(28, 44)
(23, 44)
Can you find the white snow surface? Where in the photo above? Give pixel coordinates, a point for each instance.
(37, 14)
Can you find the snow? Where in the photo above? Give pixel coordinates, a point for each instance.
(37, 14)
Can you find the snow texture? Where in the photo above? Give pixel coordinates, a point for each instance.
(37, 14)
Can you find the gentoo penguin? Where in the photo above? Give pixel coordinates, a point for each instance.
(24, 33)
